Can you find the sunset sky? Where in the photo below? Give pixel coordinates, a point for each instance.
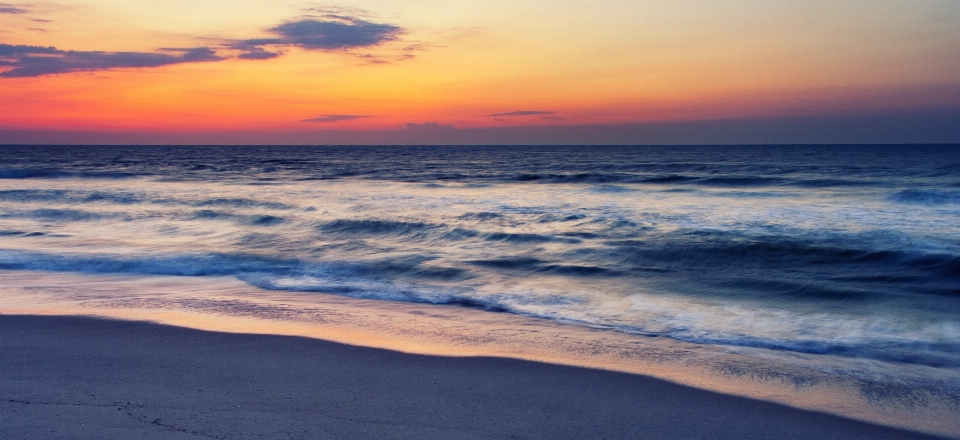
(479, 71)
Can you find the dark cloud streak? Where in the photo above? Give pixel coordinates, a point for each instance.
(337, 10)
(334, 118)
(257, 53)
(523, 113)
(31, 61)
(7, 8)
(429, 126)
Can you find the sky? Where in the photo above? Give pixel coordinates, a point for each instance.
(480, 71)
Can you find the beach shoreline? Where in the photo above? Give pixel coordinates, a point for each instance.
(224, 305)
(83, 377)
(774, 273)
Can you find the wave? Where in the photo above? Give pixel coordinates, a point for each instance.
(916, 353)
(62, 215)
(831, 183)
(552, 218)
(480, 216)
(773, 248)
(368, 278)
(521, 263)
(221, 264)
(539, 266)
(44, 195)
(128, 198)
(611, 189)
(926, 197)
(734, 181)
(181, 265)
(34, 195)
(458, 234)
(31, 195)
(669, 178)
(421, 231)
(115, 198)
(734, 263)
(754, 181)
(574, 178)
(252, 220)
(375, 227)
(47, 173)
(528, 238)
(239, 203)
(411, 279)
(605, 181)
(30, 234)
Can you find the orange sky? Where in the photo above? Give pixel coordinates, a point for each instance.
(106, 66)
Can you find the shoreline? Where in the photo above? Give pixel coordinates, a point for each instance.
(86, 377)
(230, 306)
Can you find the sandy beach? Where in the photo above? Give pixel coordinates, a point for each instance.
(72, 377)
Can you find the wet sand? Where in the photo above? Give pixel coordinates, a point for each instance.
(72, 377)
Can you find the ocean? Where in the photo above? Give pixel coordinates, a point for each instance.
(836, 258)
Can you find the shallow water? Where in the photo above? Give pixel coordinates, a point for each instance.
(842, 259)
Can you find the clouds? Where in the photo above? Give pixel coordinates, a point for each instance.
(425, 126)
(29, 61)
(8, 8)
(429, 126)
(26, 11)
(327, 32)
(544, 115)
(334, 118)
(340, 33)
(331, 31)
(523, 113)
(257, 53)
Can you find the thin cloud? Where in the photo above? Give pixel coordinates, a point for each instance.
(417, 46)
(429, 126)
(337, 10)
(522, 113)
(258, 53)
(334, 118)
(8, 8)
(31, 61)
(41, 20)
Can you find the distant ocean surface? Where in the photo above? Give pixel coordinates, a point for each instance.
(848, 251)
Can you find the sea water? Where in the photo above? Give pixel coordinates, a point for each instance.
(839, 259)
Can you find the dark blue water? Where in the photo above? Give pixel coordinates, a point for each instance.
(851, 251)
(711, 166)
